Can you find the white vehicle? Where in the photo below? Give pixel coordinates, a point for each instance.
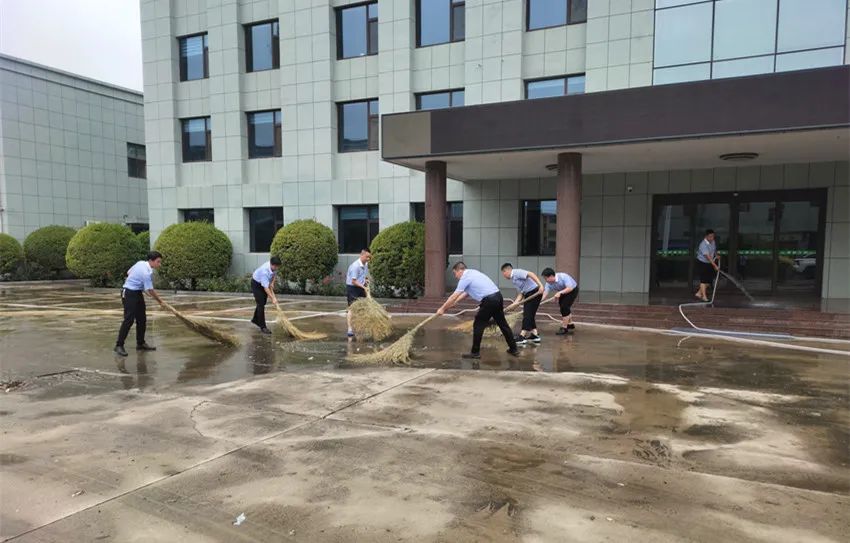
(805, 263)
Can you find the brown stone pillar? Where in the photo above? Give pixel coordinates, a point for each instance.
(568, 235)
(435, 229)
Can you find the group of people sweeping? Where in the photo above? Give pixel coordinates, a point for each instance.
(532, 291)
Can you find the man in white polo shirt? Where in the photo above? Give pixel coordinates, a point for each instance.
(565, 290)
(482, 289)
(262, 287)
(139, 280)
(527, 284)
(356, 282)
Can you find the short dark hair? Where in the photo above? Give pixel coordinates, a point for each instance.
(506, 265)
(153, 255)
(548, 272)
(709, 231)
(459, 265)
(366, 250)
(275, 261)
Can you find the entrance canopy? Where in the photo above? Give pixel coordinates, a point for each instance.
(801, 116)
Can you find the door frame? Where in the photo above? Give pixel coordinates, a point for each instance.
(734, 198)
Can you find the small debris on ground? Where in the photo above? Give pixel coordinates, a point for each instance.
(78, 493)
(609, 519)
(240, 519)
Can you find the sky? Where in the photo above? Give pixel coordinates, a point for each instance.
(99, 39)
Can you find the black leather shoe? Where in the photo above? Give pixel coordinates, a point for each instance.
(471, 356)
(119, 350)
(265, 330)
(513, 352)
(145, 347)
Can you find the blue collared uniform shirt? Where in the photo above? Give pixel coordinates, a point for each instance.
(358, 270)
(476, 285)
(139, 276)
(522, 281)
(562, 281)
(707, 250)
(264, 275)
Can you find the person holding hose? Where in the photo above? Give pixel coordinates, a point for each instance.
(708, 264)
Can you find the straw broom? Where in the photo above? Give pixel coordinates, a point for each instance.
(493, 330)
(286, 327)
(369, 319)
(205, 329)
(397, 353)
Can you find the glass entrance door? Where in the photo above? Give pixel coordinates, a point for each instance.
(755, 250)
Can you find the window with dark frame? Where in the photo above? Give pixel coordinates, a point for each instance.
(263, 224)
(358, 126)
(206, 214)
(556, 86)
(538, 227)
(136, 161)
(454, 224)
(264, 139)
(357, 30)
(194, 57)
(551, 13)
(357, 226)
(197, 139)
(441, 99)
(440, 21)
(262, 46)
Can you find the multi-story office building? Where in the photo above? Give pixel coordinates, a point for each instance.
(600, 136)
(72, 150)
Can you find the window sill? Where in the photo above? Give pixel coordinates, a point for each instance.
(262, 157)
(441, 43)
(555, 26)
(196, 79)
(196, 161)
(263, 70)
(358, 56)
(341, 152)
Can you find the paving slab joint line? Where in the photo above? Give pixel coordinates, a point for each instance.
(222, 455)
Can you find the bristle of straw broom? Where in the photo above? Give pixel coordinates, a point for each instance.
(397, 353)
(370, 320)
(286, 327)
(207, 330)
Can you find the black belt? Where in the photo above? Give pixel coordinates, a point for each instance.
(530, 292)
(492, 296)
(125, 289)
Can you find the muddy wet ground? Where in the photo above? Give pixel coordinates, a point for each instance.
(606, 435)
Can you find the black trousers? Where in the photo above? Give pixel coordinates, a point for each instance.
(529, 310)
(134, 311)
(566, 302)
(261, 297)
(491, 307)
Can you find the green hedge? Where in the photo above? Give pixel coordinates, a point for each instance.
(144, 241)
(192, 251)
(308, 250)
(102, 253)
(47, 247)
(398, 258)
(11, 254)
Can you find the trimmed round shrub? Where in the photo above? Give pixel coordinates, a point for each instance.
(192, 251)
(145, 241)
(11, 254)
(47, 247)
(308, 250)
(102, 253)
(398, 258)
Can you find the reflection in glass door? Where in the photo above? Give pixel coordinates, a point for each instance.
(673, 246)
(798, 246)
(755, 253)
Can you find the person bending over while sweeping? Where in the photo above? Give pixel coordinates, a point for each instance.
(139, 280)
(262, 286)
(527, 284)
(566, 291)
(482, 289)
(355, 282)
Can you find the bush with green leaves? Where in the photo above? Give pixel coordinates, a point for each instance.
(192, 251)
(308, 250)
(398, 258)
(102, 253)
(11, 254)
(47, 247)
(145, 241)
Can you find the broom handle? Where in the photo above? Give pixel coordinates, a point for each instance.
(423, 323)
(524, 300)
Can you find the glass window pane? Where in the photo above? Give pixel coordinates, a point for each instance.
(458, 22)
(353, 31)
(683, 35)
(261, 48)
(263, 134)
(199, 215)
(545, 13)
(354, 129)
(195, 139)
(545, 88)
(680, 74)
(741, 67)
(578, 11)
(417, 211)
(810, 59)
(434, 100)
(575, 84)
(373, 37)
(192, 65)
(458, 98)
(807, 24)
(744, 28)
(433, 21)
(263, 223)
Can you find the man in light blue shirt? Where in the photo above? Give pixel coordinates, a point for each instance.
(356, 282)
(482, 289)
(527, 284)
(262, 287)
(139, 280)
(565, 290)
(708, 264)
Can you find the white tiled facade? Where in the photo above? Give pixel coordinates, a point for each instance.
(614, 49)
(63, 150)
